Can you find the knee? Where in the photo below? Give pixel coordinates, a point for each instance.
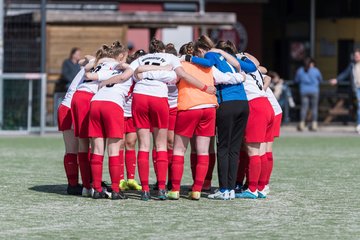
(170, 143)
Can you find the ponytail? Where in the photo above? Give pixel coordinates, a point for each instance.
(156, 46)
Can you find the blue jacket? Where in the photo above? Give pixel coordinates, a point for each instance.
(309, 81)
(224, 92)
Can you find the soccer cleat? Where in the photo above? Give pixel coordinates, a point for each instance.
(74, 190)
(118, 195)
(123, 185)
(194, 195)
(232, 194)
(132, 184)
(266, 189)
(218, 195)
(86, 192)
(99, 195)
(173, 195)
(106, 185)
(145, 196)
(161, 194)
(261, 194)
(206, 186)
(247, 194)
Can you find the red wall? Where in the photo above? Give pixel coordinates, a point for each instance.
(140, 37)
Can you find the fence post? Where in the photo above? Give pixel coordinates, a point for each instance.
(1, 63)
(43, 69)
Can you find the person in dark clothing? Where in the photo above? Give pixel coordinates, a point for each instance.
(70, 67)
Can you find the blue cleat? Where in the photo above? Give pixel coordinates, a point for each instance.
(247, 194)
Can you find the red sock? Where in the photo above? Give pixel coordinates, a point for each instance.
(263, 173)
(130, 162)
(143, 168)
(254, 172)
(177, 169)
(96, 171)
(193, 160)
(212, 160)
(170, 157)
(122, 163)
(154, 157)
(270, 165)
(71, 168)
(201, 170)
(85, 169)
(243, 166)
(116, 171)
(162, 168)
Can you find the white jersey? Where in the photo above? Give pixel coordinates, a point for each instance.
(78, 79)
(115, 92)
(254, 86)
(92, 86)
(273, 101)
(154, 87)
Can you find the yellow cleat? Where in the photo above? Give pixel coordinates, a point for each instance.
(133, 185)
(173, 195)
(194, 195)
(123, 185)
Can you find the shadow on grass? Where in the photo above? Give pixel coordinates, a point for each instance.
(55, 189)
(131, 194)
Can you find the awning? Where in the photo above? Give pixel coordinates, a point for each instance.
(139, 19)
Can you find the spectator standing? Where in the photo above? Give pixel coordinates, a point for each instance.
(352, 73)
(308, 77)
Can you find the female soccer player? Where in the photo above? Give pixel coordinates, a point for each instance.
(231, 116)
(196, 117)
(65, 126)
(107, 123)
(258, 131)
(150, 109)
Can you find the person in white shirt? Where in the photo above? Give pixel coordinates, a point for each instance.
(258, 131)
(80, 107)
(150, 109)
(65, 125)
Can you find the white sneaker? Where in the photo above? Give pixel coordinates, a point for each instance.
(266, 189)
(232, 194)
(358, 128)
(86, 192)
(218, 195)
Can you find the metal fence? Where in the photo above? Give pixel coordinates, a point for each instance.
(22, 71)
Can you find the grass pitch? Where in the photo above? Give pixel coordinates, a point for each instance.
(314, 195)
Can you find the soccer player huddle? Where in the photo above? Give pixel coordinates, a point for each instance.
(205, 91)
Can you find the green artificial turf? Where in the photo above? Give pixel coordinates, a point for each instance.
(315, 194)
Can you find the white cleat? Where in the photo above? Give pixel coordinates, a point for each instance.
(266, 189)
(232, 194)
(218, 195)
